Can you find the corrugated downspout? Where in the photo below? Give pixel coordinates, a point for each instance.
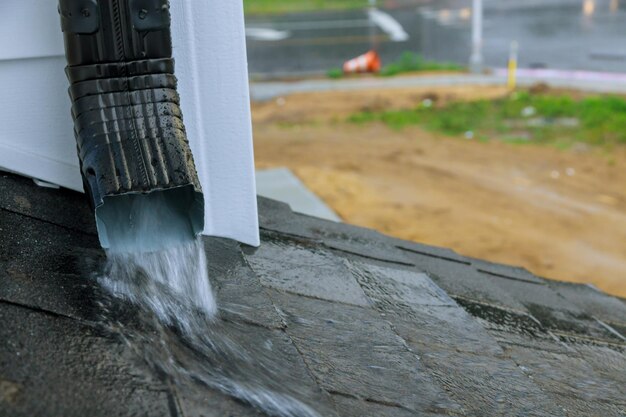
(127, 120)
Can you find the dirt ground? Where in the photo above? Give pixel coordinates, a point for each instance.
(560, 214)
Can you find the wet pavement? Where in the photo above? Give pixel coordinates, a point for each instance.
(329, 318)
(564, 34)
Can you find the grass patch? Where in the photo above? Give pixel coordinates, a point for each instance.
(519, 118)
(290, 6)
(408, 62)
(335, 73)
(411, 62)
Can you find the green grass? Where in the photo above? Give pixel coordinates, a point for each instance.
(289, 6)
(335, 73)
(411, 62)
(408, 62)
(555, 120)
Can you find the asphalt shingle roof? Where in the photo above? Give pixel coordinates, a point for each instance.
(363, 325)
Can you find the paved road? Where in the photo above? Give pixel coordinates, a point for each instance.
(585, 81)
(567, 34)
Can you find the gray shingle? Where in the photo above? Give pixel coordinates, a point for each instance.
(594, 302)
(566, 375)
(351, 239)
(238, 290)
(54, 366)
(303, 268)
(351, 351)
(21, 195)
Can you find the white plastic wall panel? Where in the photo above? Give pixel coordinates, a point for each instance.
(36, 135)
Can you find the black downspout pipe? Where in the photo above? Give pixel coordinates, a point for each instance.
(136, 163)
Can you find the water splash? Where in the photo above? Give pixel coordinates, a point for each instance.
(176, 328)
(171, 283)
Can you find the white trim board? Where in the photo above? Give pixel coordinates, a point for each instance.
(37, 138)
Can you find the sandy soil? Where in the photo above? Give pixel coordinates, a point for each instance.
(561, 214)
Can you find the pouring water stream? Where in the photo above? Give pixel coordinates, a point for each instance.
(180, 333)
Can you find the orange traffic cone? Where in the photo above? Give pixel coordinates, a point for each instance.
(369, 62)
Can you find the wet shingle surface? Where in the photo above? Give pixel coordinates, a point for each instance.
(360, 323)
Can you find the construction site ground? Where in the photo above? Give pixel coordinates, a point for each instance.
(559, 213)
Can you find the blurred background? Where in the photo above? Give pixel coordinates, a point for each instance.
(496, 128)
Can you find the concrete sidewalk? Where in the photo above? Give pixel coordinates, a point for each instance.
(282, 185)
(580, 80)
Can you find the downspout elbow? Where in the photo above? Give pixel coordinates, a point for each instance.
(136, 162)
